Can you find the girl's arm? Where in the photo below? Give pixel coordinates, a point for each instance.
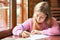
(22, 27)
(54, 30)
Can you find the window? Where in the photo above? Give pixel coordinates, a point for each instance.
(18, 2)
(22, 11)
(4, 11)
(12, 12)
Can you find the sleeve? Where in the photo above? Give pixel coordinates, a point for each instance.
(54, 30)
(20, 28)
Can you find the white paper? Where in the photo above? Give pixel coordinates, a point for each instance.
(32, 37)
(37, 36)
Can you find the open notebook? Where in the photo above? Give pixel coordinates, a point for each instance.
(32, 37)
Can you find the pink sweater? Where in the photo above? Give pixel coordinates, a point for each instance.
(27, 25)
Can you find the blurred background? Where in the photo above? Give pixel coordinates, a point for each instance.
(14, 12)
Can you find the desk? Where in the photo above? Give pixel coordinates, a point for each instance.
(47, 38)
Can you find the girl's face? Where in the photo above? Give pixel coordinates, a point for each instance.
(40, 17)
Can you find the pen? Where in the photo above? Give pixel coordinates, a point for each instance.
(22, 27)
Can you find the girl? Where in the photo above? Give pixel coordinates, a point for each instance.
(41, 23)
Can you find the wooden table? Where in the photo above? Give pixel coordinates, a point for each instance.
(48, 38)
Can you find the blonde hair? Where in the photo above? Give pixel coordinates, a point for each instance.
(42, 7)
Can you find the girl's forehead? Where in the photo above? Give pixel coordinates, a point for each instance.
(41, 13)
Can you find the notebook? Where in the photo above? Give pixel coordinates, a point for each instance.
(37, 36)
(32, 37)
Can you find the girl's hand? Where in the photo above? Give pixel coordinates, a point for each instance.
(35, 32)
(25, 34)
